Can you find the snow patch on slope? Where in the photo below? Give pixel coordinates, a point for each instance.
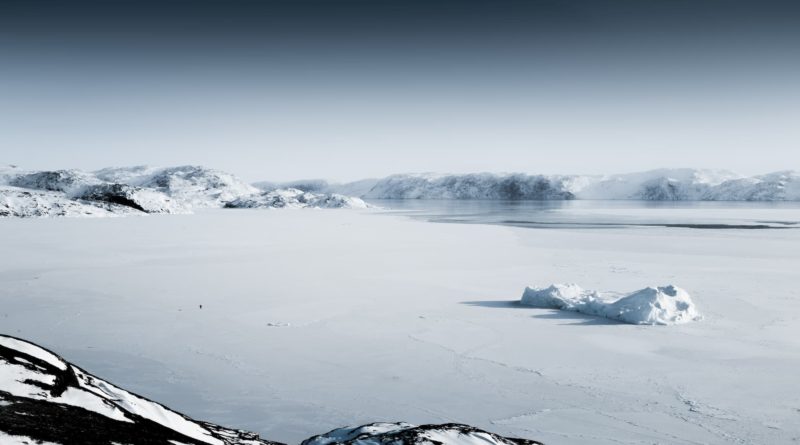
(666, 305)
(33, 351)
(8, 439)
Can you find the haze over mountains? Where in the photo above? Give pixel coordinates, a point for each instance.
(655, 185)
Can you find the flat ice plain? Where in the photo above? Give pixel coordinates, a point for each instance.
(315, 319)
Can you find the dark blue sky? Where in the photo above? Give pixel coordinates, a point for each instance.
(349, 89)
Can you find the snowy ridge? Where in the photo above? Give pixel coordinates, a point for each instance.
(68, 181)
(472, 186)
(408, 434)
(76, 193)
(194, 186)
(45, 399)
(355, 188)
(26, 203)
(666, 305)
(294, 198)
(141, 189)
(655, 185)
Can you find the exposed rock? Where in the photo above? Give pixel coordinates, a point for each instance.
(149, 201)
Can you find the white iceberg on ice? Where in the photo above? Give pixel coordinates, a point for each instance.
(666, 305)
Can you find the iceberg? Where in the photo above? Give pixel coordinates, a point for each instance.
(667, 305)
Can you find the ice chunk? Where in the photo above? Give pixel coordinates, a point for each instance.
(665, 305)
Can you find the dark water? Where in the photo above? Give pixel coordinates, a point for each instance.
(603, 214)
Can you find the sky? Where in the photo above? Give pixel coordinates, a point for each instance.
(343, 90)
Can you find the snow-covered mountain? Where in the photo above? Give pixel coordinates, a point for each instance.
(46, 400)
(194, 186)
(355, 188)
(141, 189)
(472, 186)
(655, 185)
(136, 190)
(295, 198)
(77, 193)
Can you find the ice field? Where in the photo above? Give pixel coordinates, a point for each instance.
(293, 322)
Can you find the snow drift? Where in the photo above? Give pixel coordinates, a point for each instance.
(666, 305)
(45, 399)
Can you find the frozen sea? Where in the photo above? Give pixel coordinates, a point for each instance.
(316, 319)
(599, 214)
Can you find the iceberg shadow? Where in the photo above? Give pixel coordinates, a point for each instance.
(577, 318)
(513, 304)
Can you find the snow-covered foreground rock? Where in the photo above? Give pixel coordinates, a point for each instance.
(138, 190)
(45, 399)
(652, 305)
(655, 185)
(407, 434)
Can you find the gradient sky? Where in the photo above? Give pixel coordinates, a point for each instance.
(363, 88)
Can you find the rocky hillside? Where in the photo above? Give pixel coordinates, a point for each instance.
(655, 185)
